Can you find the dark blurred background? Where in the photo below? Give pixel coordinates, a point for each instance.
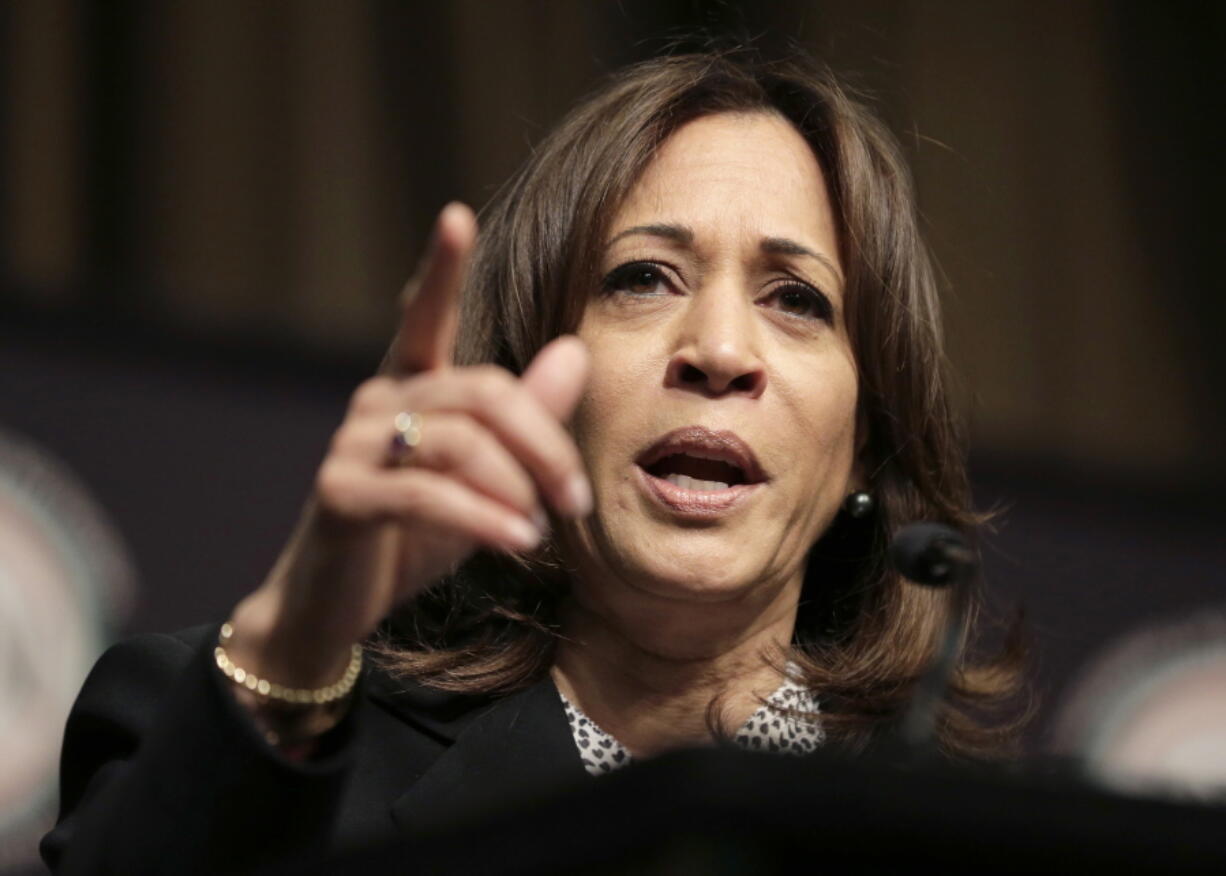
(207, 210)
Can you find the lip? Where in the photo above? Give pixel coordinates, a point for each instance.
(723, 445)
(700, 441)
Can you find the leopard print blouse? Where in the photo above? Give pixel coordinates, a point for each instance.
(775, 727)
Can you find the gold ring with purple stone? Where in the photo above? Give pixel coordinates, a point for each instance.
(405, 438)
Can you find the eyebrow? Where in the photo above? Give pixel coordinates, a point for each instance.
(771, 245)
(784, 246)
(675, 233)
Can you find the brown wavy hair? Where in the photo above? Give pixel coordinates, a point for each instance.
(863, 634)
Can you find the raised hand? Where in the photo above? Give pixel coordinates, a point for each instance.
(382, 525)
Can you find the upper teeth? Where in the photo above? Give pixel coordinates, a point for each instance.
(686, 482)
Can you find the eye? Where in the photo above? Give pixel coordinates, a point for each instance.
(801, 300)
(636, 278)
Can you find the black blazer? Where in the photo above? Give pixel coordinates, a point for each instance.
(163, 771)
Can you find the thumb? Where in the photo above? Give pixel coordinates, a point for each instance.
(557, 374)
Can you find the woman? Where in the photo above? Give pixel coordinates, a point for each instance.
(712, 271)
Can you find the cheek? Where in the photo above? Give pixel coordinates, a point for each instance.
(595, 399)
(613, 403)
(840, 434)
(599, 414)
(825, 412)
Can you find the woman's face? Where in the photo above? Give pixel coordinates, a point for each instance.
(719, 423)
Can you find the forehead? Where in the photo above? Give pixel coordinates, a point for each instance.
(751, 172)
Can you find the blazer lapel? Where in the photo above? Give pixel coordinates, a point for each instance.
(521, 747)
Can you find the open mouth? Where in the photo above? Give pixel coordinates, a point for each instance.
(700, 471)
(696, 472)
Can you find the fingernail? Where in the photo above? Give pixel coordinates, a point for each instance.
(578, 495)
(523, 534)
(541, 521)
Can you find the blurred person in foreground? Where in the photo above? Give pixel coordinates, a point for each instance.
(625, 485)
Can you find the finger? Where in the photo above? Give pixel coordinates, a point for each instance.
(523, 425)
(557, 374)
(431, 314)
(452, 444)
(419, 495)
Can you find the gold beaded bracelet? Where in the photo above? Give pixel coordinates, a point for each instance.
(295, 696)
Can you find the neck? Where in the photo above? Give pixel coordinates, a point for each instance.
(646, 669)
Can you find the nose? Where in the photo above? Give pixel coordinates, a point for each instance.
(717, 347)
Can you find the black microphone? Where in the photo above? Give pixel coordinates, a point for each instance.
(931, 554)
(935, 556)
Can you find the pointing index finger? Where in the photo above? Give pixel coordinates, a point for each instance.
(426, 339)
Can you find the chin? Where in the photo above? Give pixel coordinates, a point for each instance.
(693, 572)
(625, 549)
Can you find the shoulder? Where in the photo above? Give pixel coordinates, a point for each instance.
(147, 650)
(121, 699)
(132, 675)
